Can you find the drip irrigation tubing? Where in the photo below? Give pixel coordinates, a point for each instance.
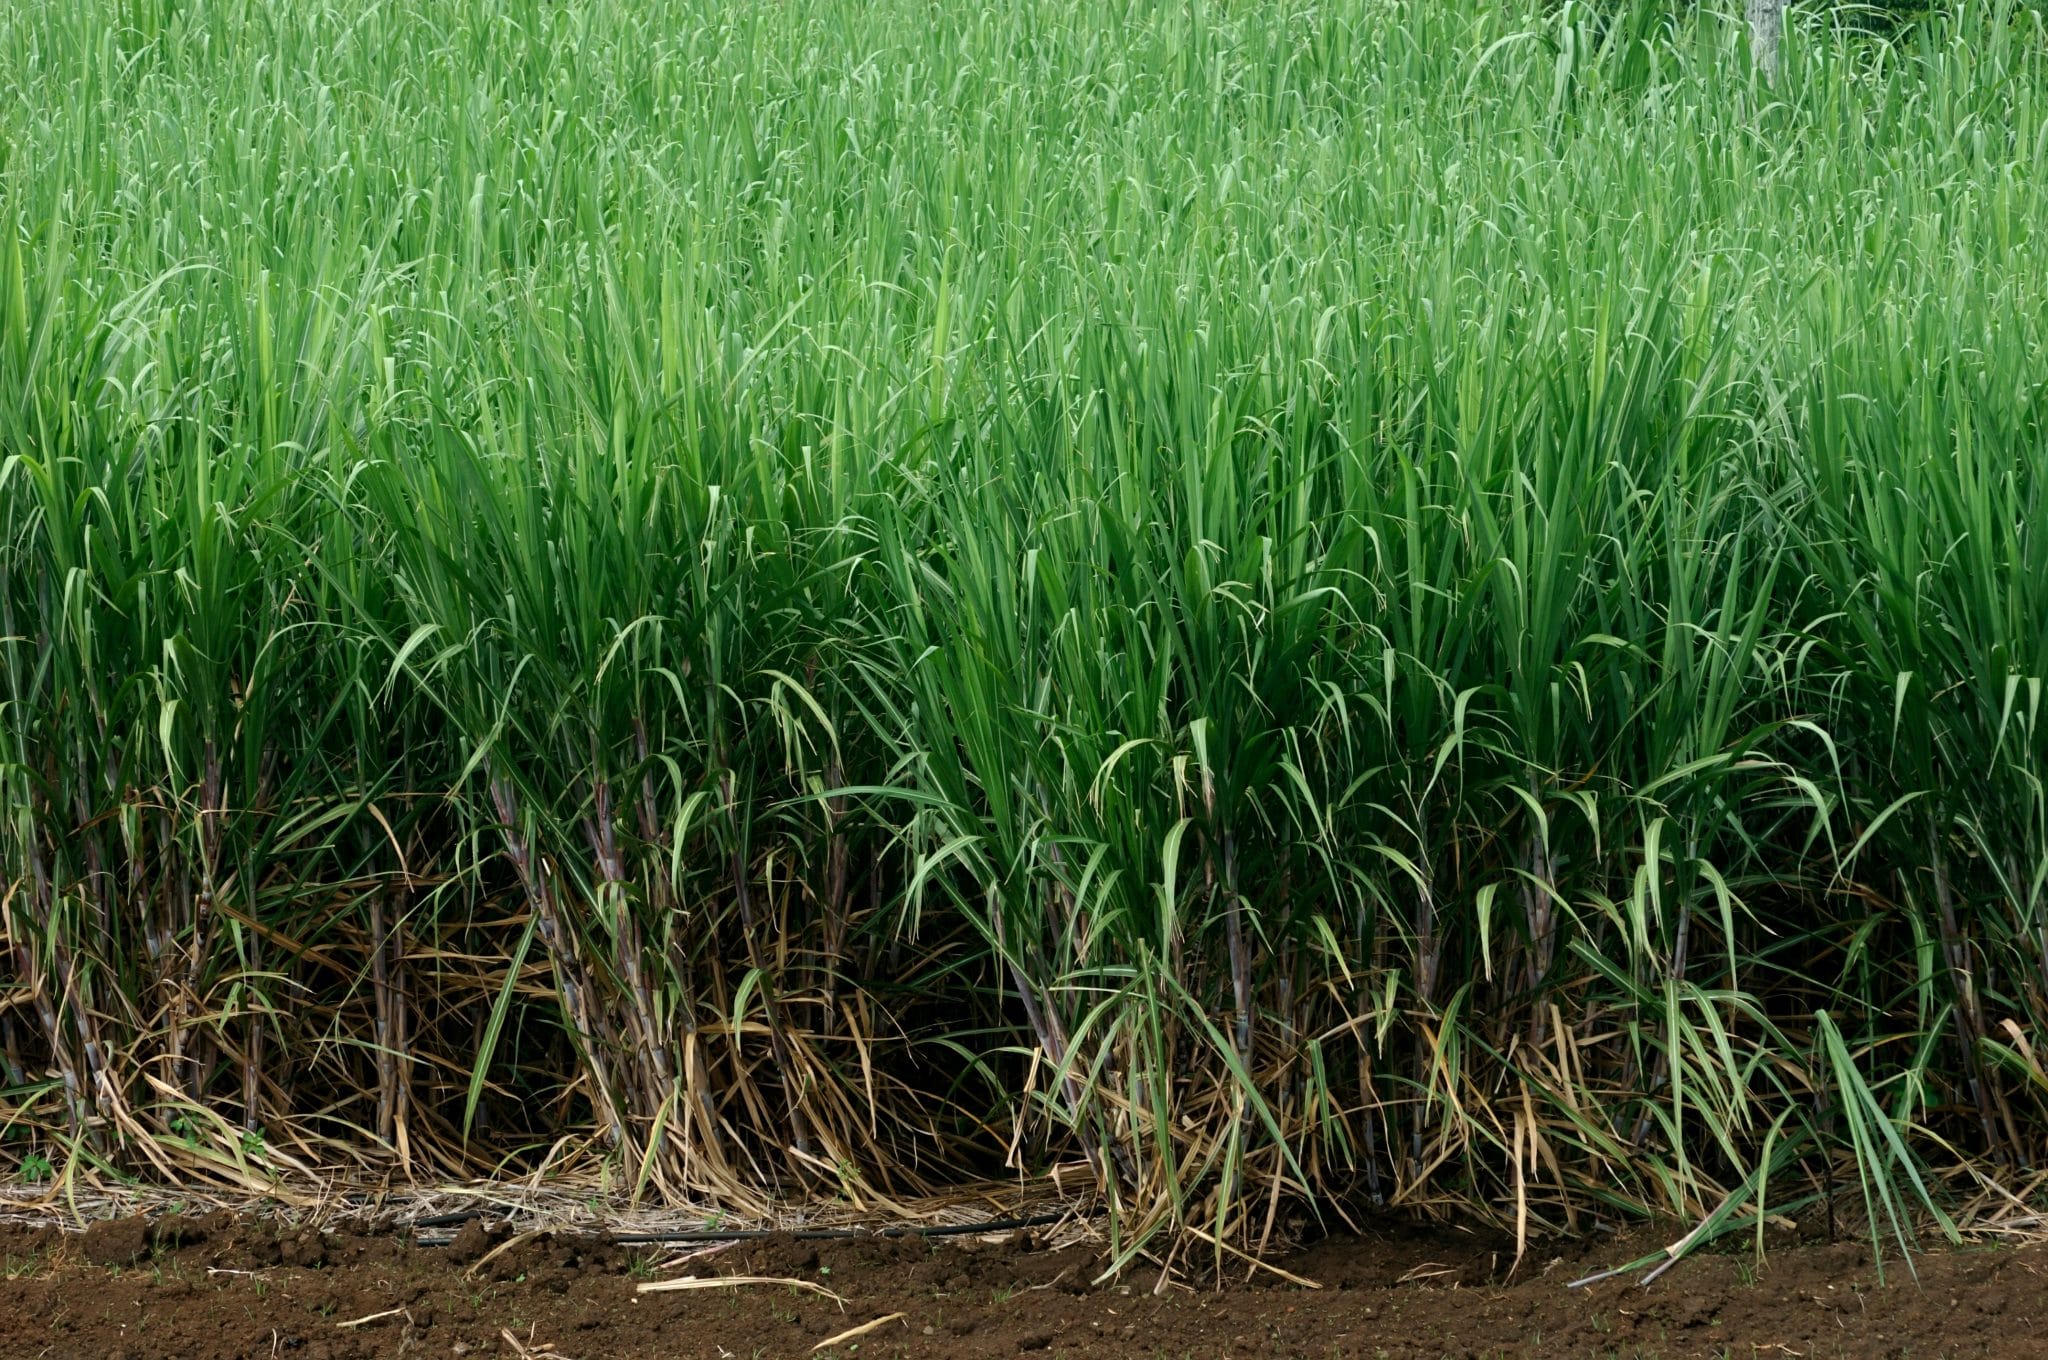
(693, 1235)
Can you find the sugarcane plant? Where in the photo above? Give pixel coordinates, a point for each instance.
(1277, 612)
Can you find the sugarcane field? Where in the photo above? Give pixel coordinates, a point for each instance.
(897, 678)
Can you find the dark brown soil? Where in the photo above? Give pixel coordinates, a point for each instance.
(219, 1288)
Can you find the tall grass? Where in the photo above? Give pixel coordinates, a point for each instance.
(1324, 604)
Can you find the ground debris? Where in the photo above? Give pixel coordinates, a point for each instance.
(165, 1289)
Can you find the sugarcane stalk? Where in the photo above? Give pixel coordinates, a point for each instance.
(650, 1083)
(670, 1071)
(1681, 949)
(836, 870)
(399, 1025)
(10, 1050)
(771, 1010)
(1240, 954)
(36, 979)
(1427, 963)
(185, 991)
(570, 976)
(1052, 1041)
(1968, 1017)
(252, 1058)
(381, 1003)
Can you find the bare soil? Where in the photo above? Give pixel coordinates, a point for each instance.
(222, 1288)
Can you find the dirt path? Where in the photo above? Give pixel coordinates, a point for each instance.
(222, 1289)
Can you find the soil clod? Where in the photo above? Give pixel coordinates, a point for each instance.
(115, 1242)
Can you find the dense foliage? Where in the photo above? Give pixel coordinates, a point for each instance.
(1339, 601)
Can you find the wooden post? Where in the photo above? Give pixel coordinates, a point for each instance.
(1766, 30)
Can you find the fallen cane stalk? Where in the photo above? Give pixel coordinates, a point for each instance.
(733, 1282)
(672, 1262)
(544, 1351)
(373, 1317)
(1602, 1276)
(851, 1332)
(495, 1252)
(1254, 1261)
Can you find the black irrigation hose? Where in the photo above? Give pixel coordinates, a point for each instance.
(755, 1234)
(837, 1234)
